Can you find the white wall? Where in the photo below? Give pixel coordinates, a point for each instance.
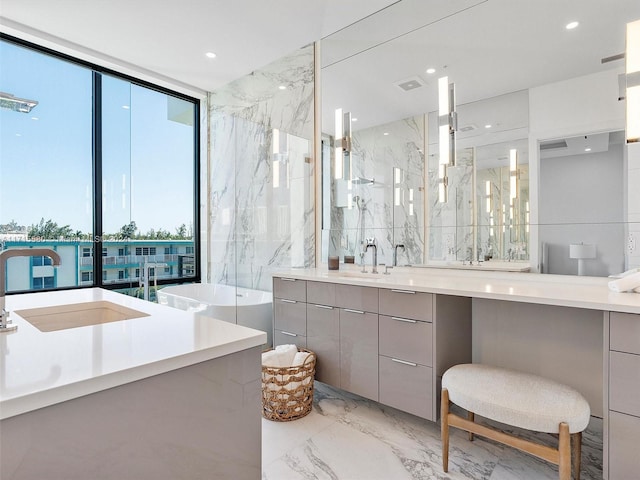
(583, 201)
(578, 106)
(632, 243)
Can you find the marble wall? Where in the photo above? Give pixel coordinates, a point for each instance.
(386, 198)
(260, 188)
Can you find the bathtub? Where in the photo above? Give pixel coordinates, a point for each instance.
(220, 301)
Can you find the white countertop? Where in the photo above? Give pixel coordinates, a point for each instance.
(43, 368)
(560, 290)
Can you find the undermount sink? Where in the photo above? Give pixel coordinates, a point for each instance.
(62, 317)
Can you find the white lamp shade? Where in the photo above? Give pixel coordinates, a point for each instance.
(581, 251)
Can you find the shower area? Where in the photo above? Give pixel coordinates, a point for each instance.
(259, 191)
(380, 196)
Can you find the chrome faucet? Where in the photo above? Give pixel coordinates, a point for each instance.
(395, 253)
(371, 242)
(145, 279)
(18, 252)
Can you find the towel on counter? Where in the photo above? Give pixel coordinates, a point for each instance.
(627, 283)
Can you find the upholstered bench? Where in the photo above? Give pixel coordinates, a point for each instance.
(517, 399)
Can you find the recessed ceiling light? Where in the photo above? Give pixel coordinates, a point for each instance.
(282, 87)
(18, 134)
(35, 118)
(488, 125)
(210, 55)
(386, 133)
(126, 107)
(571, 25)
(354, 119)
(431, 70)
(588, 149)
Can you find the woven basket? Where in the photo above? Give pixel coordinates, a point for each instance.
(287, 393)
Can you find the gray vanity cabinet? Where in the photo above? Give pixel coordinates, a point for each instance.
(406, 351)
(388, 345)
(624, 396)
(289, 312)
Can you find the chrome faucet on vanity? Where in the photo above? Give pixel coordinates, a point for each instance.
(371, 242)
(18, 252)
(395, 253)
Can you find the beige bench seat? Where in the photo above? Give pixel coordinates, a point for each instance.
(517, 399)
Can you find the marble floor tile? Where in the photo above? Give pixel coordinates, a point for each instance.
(347, 437)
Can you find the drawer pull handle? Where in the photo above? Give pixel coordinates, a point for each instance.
(406, 320)
(404, 291)
(403, 362)
(284, 279)
(326, 307)
(284, 300)
(353, 311)
(288, 334)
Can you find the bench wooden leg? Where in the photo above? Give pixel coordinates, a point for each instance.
(471, 418)
(564, 450)
(576, 447)
(444, 429)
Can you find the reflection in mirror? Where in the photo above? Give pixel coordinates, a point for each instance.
(582, 202)
(516, 87)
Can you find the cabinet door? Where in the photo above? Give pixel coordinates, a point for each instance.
(290, 288)
(321, 293)
(406, 386)
(625, 332)
(406, 304)
(359, 353)
(406, 339)
(357, 298)
(323, 338)
(288, 338)
(624, 383)
(290, 316)
(624, 438)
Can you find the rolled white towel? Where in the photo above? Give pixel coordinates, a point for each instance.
(288, 354)
(625, 284)
(300, 358)
(625, 274)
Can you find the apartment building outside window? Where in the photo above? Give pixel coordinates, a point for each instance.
(96, 151)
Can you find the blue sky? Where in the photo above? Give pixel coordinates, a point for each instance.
(45, 155)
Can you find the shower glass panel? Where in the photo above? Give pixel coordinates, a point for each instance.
(148, 152)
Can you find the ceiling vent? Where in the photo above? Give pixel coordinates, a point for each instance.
(556, 144)
(409, 84)
(468, 128)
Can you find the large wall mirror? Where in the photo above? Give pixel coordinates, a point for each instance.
(539, 180)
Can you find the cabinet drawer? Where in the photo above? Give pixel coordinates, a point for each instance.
(357, 298)
(624, 438)
(321, 293)
(624, 383)
(290, 288)
(406, 304)
(290, 315)
(624, 332)
(407, 387)
(288, 338)
(406, 339)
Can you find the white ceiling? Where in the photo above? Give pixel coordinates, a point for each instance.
(489, 47)
(486, 47)
(168, 38)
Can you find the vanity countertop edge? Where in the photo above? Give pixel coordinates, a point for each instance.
(39, 369)
(558, 290)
